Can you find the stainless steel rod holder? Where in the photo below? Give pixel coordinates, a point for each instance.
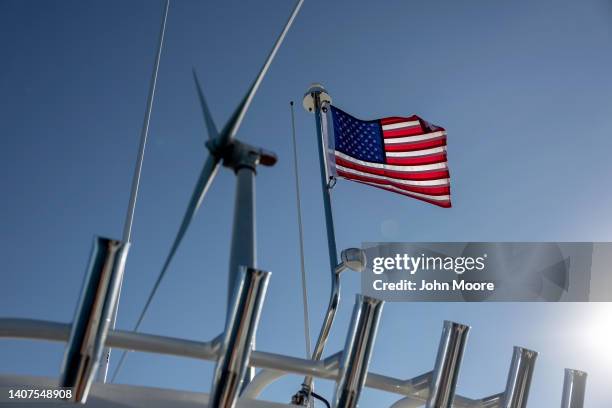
(519, 378)
(448, 362)
(93, 316)
(357, 351)
(239, 332)
(574, 387)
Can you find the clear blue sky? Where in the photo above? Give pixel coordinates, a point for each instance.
(523, 88)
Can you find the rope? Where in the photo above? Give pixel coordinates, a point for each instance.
(301, 232)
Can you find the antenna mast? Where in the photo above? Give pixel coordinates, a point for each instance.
(129, 219)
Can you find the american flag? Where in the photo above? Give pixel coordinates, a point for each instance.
(406, 155)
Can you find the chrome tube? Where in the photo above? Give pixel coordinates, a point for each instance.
(93, 316)
(328, 320)
(519, 378)
(574, 387)
(240, 330)
(448, 362)
(315, 93)
(357, 351)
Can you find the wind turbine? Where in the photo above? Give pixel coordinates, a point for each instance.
(224, 148)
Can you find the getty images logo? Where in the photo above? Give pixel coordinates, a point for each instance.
(412, 264)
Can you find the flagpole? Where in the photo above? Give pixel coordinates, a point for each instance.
(317, 100)
(129, 219)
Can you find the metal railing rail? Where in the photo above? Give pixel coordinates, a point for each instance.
(415, 391)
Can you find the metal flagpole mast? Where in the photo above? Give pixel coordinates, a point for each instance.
(129, 219)
(316, 100)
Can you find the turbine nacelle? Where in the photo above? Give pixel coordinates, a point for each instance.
(238, 154)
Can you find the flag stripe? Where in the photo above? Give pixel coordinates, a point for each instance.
(429, 175)
(445, 197)
(426, 136)
(426, 167)
(442, 201)
(412, 161)
(397, 119)
(402, 132)
(423, 183)
(424, 152)
(399, 125)
(404, 147)
(429, 190)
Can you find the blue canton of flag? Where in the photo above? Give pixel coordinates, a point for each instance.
(358, 138)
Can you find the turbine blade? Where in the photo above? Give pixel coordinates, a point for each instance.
(207, 175)
(233, 124)
(213, 133)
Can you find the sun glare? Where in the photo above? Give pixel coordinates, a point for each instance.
(597, 335)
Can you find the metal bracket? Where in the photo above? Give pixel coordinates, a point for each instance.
(331, 182)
